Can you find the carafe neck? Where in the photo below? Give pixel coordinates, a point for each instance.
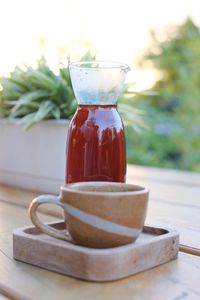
(97, 82)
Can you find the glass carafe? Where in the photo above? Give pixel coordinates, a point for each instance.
(96, 142)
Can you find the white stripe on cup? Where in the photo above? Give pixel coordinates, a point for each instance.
(101, 223)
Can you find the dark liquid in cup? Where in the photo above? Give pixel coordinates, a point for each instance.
(96, 145)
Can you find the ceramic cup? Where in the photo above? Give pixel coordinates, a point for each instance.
(97, 214)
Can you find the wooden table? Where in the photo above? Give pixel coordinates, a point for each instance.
(174, 202)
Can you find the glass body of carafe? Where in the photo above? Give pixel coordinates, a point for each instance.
(96, 148)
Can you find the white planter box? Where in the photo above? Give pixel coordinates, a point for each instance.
(34, 159)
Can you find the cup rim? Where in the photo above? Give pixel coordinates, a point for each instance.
(69, 187)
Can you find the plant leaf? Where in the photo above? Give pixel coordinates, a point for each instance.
(56, 113)
(44, 109)
(28, 120)
(41, 80)
(29, 97)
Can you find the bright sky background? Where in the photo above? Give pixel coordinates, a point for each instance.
(118, 29)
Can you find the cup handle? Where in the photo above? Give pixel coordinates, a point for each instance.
(44, 199)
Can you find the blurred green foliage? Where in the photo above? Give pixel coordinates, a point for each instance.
(34, 94)
(31, 95)
(173, 115)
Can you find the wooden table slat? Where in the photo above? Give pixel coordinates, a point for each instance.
(173, 177)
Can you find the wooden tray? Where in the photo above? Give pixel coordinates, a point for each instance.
(154, 246)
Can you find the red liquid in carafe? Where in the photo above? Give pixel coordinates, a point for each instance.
(96, 145)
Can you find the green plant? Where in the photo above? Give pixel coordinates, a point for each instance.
(31, 95)
(36, 94)
(173, 114)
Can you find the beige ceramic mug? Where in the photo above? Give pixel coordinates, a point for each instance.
(97, 214)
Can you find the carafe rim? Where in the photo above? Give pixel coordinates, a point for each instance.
(99, 65)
